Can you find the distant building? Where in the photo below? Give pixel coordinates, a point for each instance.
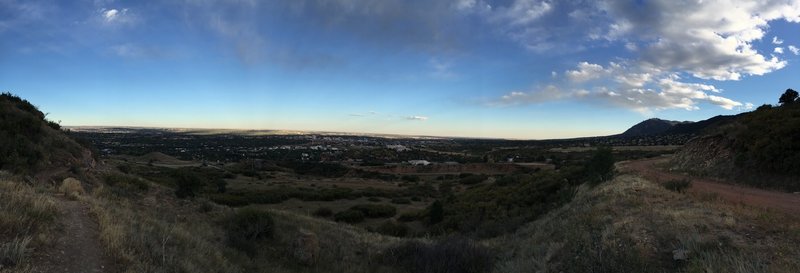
(419, 162)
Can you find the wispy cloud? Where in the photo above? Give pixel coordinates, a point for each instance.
(418, 118)
(794, 50)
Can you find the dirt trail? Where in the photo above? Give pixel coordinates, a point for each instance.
(77, 249)
(649, 169)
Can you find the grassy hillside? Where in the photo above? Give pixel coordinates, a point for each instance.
(760, 148)
(29, 143)
(634, 225)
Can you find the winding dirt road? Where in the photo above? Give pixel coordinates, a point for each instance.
(650, 170)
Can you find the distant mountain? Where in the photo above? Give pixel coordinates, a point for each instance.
(694, 128)
(653, 126)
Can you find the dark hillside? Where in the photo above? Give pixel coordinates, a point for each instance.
(695, 128)
(30, 144)
(649, 127)
(759, 148)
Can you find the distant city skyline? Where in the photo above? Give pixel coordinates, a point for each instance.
(521, 69)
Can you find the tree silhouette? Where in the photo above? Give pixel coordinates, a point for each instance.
(790, 96)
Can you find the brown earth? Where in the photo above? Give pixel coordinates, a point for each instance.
(650, 169)
(484, 168)
(78, 248)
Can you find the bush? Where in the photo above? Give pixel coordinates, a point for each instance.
(678, 185)
(436, 212)
(408, 217)
(449, 256)
(391, 228)
(349, 216)
(125, 185)
(187, 183)
(410, 178)
(323, 212)
(374, 199)
(600, 167)
(71, 188)
(472, 179)
(247, 227)
(375, 210)
(125, 168)
(401, 201)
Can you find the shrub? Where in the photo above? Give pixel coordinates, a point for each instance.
(349, 216)
(436, 212)
(247, 227)
(323, 212)
(449, 256)
(472, 179)
(375, 210)
(125, 168)
(14, 252)
(401, 201)
(393, 228)
(600, 167)
(374, 199)
(71, 188)
(410, 178)
(678, 185)
(187, 183)
(408, 217)
(125, 184)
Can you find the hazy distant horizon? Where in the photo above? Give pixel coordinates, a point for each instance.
(521, 69)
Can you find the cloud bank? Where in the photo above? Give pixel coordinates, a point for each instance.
(676, 50)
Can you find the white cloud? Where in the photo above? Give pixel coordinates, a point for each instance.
(110, 15)
(523, 12)
(624, 85)
(670, 40)
(114, 16)
(794, 50)
(585, 72)
(419, 118)
(709, 39)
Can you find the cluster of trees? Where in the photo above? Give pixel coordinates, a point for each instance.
(788, 97)
(491, 209)
(765, 143)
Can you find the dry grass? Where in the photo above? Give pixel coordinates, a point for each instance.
(633, 225)
(71, 188)
(165, 237)
(159, 233)
(24, 214)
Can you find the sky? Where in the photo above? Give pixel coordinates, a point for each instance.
(522, 69)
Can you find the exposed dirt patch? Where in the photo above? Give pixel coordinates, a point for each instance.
(77, 249)
(484, 168)
(650, 169)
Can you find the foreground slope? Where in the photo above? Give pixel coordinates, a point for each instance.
(634, 225)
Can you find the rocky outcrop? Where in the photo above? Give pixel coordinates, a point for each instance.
(707, 155)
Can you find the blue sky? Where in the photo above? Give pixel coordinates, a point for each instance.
(527, 69)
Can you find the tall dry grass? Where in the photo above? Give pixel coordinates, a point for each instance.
(25, 214)
(633, 225)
